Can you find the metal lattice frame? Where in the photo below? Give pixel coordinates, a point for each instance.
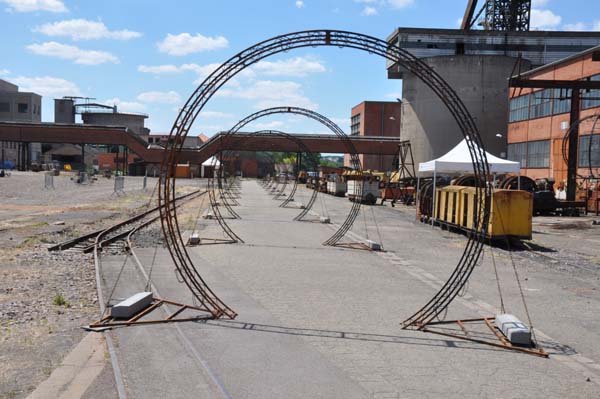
(302, 148)
(350, 149)
(316, 38)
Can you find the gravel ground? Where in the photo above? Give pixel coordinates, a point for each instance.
(45, 297)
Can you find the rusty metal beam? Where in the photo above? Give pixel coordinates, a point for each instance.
(554, 84)
(110, 135)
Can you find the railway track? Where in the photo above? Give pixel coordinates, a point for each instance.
(114, 236)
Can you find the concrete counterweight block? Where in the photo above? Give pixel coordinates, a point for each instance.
(194, 239)
(513, 329)
(324, 220)
(298, 205)
(375, 246)
(131, 306)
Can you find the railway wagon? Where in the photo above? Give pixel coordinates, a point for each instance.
(510, 217)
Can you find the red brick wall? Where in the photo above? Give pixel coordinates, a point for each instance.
(549, 128)
(375, 121)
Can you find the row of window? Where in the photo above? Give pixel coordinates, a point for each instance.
(22, 108)
(549, 102)
(536, 154)
(355, 124)
(532, 154)
(9, 145)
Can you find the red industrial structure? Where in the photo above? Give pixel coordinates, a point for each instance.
(544, 105)
(376, 118)
(132, 143)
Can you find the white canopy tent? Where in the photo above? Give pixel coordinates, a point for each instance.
(458, 160)
(210, 162)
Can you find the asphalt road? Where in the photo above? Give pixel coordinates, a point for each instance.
(322, 322)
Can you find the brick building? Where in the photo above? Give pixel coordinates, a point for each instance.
(539, 119)
(375, 118)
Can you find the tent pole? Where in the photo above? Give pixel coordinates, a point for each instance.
(433, 199)
(519, 180)
(417, 197)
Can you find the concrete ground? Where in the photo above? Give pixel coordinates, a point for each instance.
(323, 322)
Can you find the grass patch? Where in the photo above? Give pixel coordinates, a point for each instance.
(60, 300)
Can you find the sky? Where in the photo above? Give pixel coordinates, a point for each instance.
(148, 56)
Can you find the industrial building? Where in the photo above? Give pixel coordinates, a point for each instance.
(540, 119)
(375, 118)
(477, 64)
(19, 106)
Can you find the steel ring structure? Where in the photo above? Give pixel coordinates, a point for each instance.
(354, 159)
(319, 38)
(571, 131)
(279, 191)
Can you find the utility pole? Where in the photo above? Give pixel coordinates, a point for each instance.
(573, 145)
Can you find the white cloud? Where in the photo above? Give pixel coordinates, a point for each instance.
(73, 53)
(596, 26)
(125, 106)
(184, 43)
(268, 93)
(299, 4)
(297, 67)
(83, 29)
(400, 3)
(4, 72)
(538, 3)
(47, 86)
(368, 11)
(267, 125)
(215, 115)
(544, 19)
(36, 5)
(159, 97)
(344, 123)
(577, 26)
(159, 69)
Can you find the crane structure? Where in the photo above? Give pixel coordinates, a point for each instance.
(500, 15)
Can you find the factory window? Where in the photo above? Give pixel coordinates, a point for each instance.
(540, 104)
(591, 98)
(517, 152)
(562, 101)
(22, 108)
(585, 149)
(519, 108)
(538, 154)
(4, 107)
(355, 124)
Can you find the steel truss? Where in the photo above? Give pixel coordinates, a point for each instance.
(317, 38)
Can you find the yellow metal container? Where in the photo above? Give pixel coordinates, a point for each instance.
(511, 210)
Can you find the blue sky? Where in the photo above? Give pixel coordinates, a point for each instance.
(148, 56)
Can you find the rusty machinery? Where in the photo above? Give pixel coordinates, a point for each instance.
(191, 276)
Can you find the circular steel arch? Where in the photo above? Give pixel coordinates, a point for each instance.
(270, 133)
(571, 131)
(317, 38)
(350, 149)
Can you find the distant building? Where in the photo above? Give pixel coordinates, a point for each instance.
(539, 119)
(134, 122)
(161, 139)
(477, 65)
(19, 106)
(376, 118)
